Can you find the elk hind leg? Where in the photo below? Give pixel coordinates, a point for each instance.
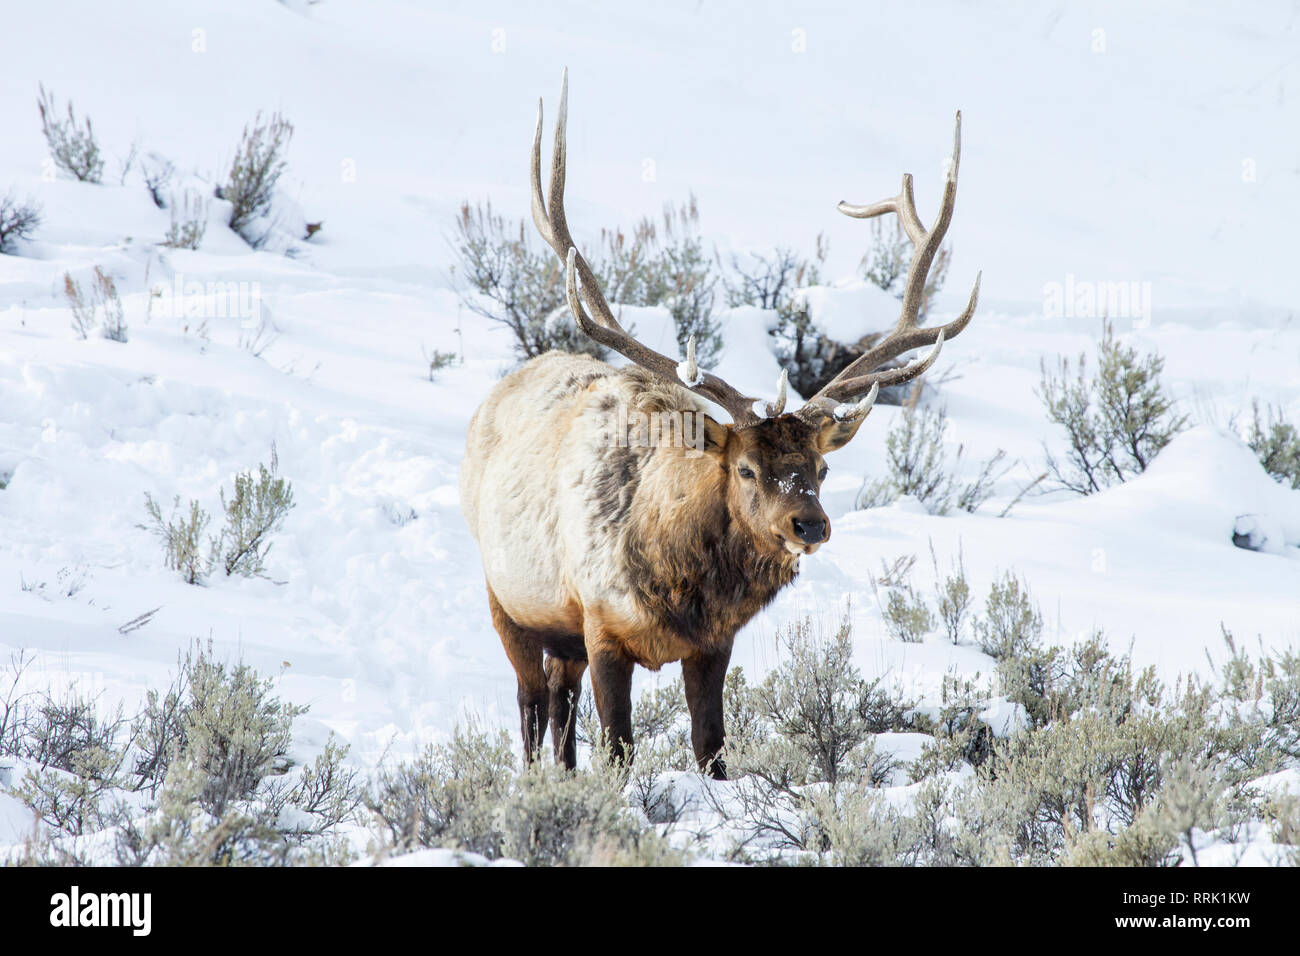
(524, 649)
(564, 678)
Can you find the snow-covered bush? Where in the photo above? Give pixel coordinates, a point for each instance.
(1092, 777)
(468, 794)
(255, 511)
(157, 171)
(72, 145)
(1012, 624)
(189, 222)
(660, 719)
(72, 748)
(1119, 769)
(512, 284)
(814, 700)
(657, 264)
(157, 732)
(1104, 760)
(960, 735)
(814, 716)
(1276, 442)
(953, 595)
(907, 616)
(58, 732)
(257, 167)
(1281, 812)
(1115, 421)
(772, 282)
(182, 538)
(438, 360)
(810, 354)
(853, 825)
(328, 793)
(447, 796)
(1190, 799)
(14, 705)
(233, 732)
(548, 814)
(1126, 772)
(18, 220)
(1054, 682)
(920, 466)
(101, 306)
(678, 275)
(1266, 688)
(203, 778)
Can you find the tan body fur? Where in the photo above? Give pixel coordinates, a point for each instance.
(579, 535)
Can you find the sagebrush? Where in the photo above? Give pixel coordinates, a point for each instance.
(1115, 421)
(1275, 440)
(18, 220)
(255, 510)
(256, 169)
(100, 305)
(71, 141)
(200, 777)
(658, 263)
(919, 465)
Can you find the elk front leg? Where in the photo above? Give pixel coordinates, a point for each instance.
(704, 676)
(611, 685)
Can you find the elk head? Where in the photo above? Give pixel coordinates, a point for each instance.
(774, 460)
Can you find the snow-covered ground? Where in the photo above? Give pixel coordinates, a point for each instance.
(1103, 143)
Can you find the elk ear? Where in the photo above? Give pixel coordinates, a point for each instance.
(835, 434)
(715, 436)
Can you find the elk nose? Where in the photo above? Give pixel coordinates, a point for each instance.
(810, 530)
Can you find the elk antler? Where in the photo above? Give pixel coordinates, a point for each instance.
(858, 377)
(581, 286)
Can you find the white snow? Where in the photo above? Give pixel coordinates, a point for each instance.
(1163, 159)
(849, 310)
(686, 377)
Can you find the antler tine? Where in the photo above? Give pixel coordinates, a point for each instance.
(540, 218)
(582, 287)
(859, 376)
(551, 221)
(704, 384)
(904, 205)
(858, 410)
(777, 407)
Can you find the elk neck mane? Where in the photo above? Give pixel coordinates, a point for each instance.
(690, 567)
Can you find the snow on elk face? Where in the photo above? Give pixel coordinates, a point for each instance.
(774, 475)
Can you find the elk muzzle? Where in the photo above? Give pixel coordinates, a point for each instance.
(810, 530)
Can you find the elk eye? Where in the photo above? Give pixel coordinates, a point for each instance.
(744, 472)
(821, 475)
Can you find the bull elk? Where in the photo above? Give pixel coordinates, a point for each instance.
(603, 551)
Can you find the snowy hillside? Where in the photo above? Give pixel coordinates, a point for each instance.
(1161, 151)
